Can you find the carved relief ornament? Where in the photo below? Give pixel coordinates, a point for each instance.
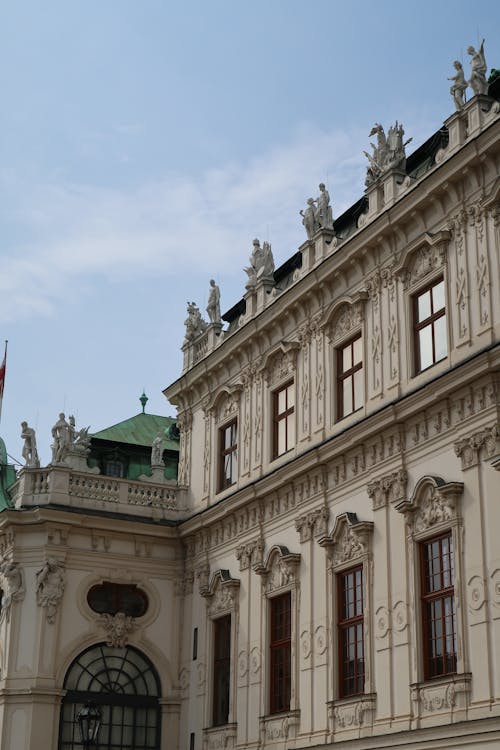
(225, 403)
(222, 593)
(350, 540)
(117, 627)
(280, 363)
(434, 503)
(423, 258)
(251, 554)
(312, 524)
(485, 442)
(344, 317)
(280, 569)
(390, 488)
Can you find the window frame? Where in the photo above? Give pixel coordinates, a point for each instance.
(429, 597)
(429, 321)
(280, 416)
(344, 625)
(223, 452)
(221, 669)
(280, 647)
(342, 375)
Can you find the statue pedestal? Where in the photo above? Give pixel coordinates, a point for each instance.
(157, 475)
(76, 459)
(391, 182)
(375, 195)
(457, 131)
(324, 243)
(477, 111)
(258, 296)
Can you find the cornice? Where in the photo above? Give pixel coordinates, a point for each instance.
(372, 234)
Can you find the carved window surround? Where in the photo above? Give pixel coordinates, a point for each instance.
(350, 545)
(280, 575)
(434, 508)
(422, 263)
(222, 597)
(344, 318)
(280, 363)
(423, 259)
(224, 404)
(484, 443)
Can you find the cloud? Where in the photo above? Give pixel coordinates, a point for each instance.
(62, 232)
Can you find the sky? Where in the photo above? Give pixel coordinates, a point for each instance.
(145, 143)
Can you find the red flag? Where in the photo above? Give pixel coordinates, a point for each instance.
(2, 376)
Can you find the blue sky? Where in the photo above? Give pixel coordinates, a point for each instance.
(145, 143)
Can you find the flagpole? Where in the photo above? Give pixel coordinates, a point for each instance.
(2, 376)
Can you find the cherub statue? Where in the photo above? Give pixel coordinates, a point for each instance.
(457, 88)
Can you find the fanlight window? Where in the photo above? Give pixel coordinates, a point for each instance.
(125, 686)
(110, 598)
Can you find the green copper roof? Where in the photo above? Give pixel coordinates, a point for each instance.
(140, 430)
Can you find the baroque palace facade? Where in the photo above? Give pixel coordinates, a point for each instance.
(326, 568)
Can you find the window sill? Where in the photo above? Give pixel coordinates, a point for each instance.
(352, 714)
(224, 736)
(279, 727)
(448, 694)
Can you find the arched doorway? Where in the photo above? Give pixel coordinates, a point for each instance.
(125, 686)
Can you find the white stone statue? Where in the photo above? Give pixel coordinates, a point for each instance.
(457, 88)
(157, 452)
(213, 306)
(50, 582)
(12, 581)
(195, 325)
(261, 266)
(324, 216)
(389, 153)
(62, 434)
(478, 68)
(30, 453)
(309, 218)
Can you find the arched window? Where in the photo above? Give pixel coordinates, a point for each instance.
(125, 686)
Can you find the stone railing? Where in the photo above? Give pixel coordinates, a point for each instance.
(202, 345)
(57, 485)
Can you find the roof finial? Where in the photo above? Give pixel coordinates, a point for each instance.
(143, 399)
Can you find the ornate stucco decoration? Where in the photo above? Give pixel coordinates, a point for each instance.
(350, 540)
(434, 503)
(352, 714)
(280, 362)
(251, 554)
(280, 569)
(117, 627)
(423, 258)
(447, 695)
(50, 583)
(391, 488)
(313, 524)
(12, 584)
(222, 593)
(202, 573)
(225, 402)
(484, 443)
(344, 317)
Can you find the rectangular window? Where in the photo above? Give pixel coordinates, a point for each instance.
(350, 628)
(438, 607)
(281, 659)
(284, 419)
(195, 644)
(228, 455)
(350, 392)
(429, 314)
(222, 670)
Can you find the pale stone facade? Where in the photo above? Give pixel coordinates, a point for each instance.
(363, 489)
